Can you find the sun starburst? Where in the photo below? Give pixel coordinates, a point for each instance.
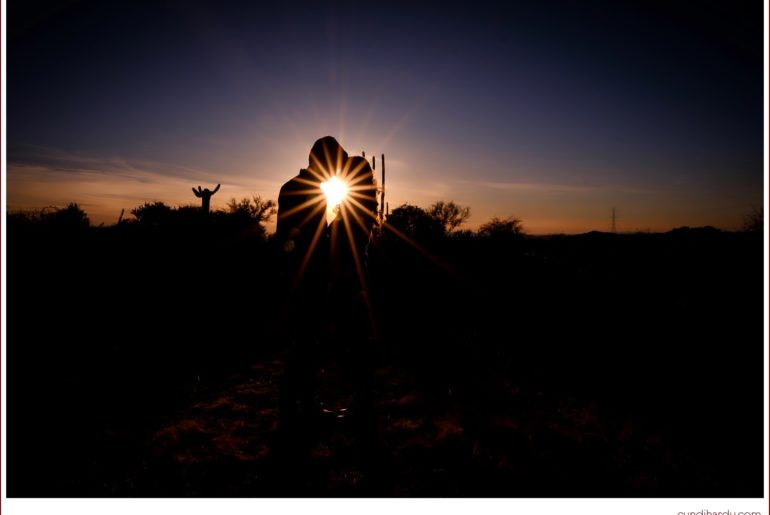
(336, 190)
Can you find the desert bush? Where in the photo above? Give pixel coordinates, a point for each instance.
(502, 228)
(415, 222)
(153, 213)
(254, 209)
(71, 217)
(449, 214)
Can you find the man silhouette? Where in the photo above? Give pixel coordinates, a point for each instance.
(304, 243)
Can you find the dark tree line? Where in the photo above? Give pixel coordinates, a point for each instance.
(114, 326)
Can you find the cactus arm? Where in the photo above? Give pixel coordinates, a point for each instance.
(216, 189)
(197, 194)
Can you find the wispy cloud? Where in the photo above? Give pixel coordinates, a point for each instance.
(76, 165)
(543, 187)
(40, 176)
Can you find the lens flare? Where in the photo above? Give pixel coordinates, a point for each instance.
(336, 190)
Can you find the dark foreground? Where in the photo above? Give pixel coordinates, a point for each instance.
(145, 361)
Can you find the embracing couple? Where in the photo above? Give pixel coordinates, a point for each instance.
(325, 218)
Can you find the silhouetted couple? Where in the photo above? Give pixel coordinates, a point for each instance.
(327, 304)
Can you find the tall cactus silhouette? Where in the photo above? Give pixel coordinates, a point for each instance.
(205, 196)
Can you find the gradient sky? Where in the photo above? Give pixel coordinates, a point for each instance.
(554, 114)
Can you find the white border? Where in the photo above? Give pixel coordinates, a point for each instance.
(379, 506)
(3, 243)
(766, 341)
(387, 506)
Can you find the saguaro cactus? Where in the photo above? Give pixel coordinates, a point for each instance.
(205, 196)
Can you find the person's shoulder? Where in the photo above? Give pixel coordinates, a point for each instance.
(291, 183)
(361, 163)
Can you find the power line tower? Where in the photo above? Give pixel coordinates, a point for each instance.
(614, 227)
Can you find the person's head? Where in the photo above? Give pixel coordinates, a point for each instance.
(360, 171)
(327, 156)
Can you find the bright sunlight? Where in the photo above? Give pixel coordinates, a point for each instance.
(335, 190)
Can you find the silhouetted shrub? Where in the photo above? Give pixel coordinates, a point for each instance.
(68, 218)
(463, 235)
(23, 217)
(252, 210)
(247, 216)
(449, 214)
(502, 228)
(415, 222)
(188, 214)
(153, 213)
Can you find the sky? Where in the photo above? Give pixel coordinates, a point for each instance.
(554, 113)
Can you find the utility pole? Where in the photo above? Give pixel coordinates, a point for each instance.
(382, 195)
(382, 211)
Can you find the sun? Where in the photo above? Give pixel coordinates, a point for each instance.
(336, 190)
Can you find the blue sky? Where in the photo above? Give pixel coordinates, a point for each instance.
(554, 113)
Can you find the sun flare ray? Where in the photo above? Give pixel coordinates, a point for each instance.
(359, 267)
(301, 207)
(310, 250)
